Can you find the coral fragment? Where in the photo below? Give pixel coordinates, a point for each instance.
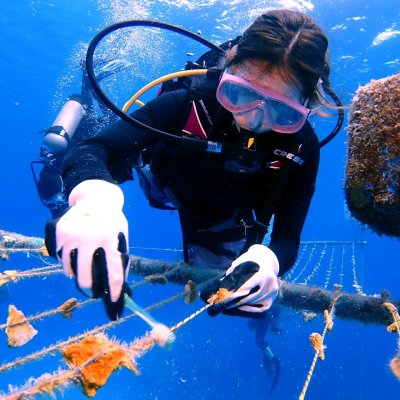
(8, 276)
(68, 307)
(19, 331)
(317, 344)
(219, 297)
(96, 357)
(308, 315)
(394, 327)
(190, 292)
(328, 321)
(156, 278)
(395, 366)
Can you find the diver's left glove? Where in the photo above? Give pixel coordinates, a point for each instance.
(252, 282)
(91, 241)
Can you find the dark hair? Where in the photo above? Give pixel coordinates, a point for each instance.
(289, 42)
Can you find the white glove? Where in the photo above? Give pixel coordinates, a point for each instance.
(252, 279)
(91, 241)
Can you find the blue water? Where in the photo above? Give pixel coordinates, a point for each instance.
(41, 43)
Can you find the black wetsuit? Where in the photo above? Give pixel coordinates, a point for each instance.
(223, 209)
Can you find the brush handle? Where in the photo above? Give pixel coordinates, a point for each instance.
(139, 311)
(160, 332)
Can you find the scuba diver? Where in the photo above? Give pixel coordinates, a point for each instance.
(232, 151)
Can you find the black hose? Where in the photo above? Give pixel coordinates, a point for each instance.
(190, 142)
(340, 120)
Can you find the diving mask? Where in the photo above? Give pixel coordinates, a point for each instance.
(262, 109)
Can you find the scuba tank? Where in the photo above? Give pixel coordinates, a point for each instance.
(58, 136)
(47, 170)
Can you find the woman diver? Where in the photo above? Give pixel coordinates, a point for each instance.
(264, 164)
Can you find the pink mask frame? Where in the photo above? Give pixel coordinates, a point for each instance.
(266, 96)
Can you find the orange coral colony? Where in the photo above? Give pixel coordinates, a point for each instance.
(317, 344)
(96, 357)
(219, 297)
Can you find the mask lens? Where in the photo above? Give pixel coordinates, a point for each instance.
(282, 114)
(235, 97)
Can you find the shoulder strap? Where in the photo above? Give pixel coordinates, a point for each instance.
(204, 116)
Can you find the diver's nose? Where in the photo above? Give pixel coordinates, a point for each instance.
(256, 119)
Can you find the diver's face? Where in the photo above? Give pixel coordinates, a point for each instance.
(278, 106)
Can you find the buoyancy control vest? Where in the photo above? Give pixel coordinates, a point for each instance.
(251, 172)
(225, 200)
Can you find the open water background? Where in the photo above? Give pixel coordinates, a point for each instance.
(41, 44)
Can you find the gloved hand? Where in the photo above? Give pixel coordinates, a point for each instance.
(91, 241)
(252, 279)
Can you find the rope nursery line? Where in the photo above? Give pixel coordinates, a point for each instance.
(11, 242)
(92, 356)
(317, 342)
(295, 295)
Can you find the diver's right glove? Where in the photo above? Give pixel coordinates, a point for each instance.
(91, 241)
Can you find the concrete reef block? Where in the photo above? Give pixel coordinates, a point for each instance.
(372, 186)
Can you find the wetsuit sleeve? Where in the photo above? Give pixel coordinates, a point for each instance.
(292, 211)
(111, 154)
